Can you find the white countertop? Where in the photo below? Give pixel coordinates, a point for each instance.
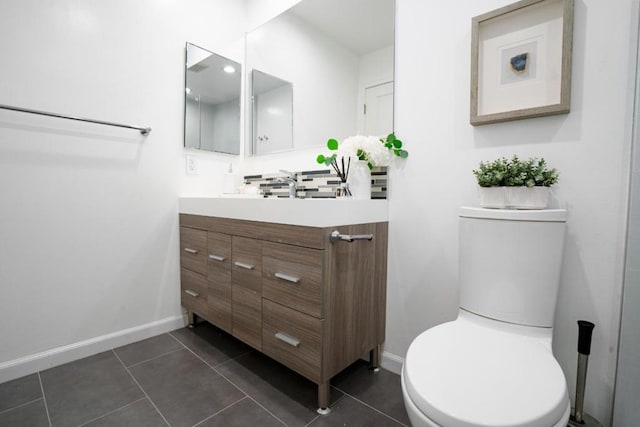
(306, 212)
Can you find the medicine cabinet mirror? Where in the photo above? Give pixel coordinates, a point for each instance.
(212, 101)
(337, 56)
(272, 113)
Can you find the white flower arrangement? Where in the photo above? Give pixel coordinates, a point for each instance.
(374, 150)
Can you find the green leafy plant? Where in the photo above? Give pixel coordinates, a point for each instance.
(375, 151)
(515, 173)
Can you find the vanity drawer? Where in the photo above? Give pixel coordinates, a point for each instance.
(193, 292)
(292, 338)
(247, 316)
(246, 263)
(193, 249)
(292, 276)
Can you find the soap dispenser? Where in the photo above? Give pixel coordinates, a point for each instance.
(229, 181)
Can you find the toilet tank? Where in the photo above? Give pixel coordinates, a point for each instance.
(509, 263)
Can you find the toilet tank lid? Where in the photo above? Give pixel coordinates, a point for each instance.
(543, 215)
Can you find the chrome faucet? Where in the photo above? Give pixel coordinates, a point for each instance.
(291, 179)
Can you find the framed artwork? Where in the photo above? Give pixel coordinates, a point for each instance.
(521, 61)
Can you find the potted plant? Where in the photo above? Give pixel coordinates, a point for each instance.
(514, 183)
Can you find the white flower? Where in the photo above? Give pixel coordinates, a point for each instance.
(370, 147)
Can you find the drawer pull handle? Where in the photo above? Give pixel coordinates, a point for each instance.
(191, 251)
(192, 293)
(286, 338)
(243, 265)
(286, 277)
(216, 257)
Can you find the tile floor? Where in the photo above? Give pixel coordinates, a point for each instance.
(190, 377)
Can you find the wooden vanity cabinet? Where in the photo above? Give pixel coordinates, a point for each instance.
(288, 291)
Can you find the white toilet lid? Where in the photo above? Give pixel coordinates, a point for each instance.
(462, 375)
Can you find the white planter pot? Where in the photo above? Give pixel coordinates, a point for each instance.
(359, 180)
(492, 197)
(513, 197)
(527, 197)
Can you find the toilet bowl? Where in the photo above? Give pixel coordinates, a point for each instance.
(493, 365)
(478, 372)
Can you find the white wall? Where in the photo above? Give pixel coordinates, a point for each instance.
(290, 49)
(88, 214)
(590, 147)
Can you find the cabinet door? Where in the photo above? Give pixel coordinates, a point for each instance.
(219, 279)
(193, 249)
(247, 316)
(246, 290)
(293, 277)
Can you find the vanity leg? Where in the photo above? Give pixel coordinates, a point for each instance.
(323, 398)
(191, 318)
(374, 359)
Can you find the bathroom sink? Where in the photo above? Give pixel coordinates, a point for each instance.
(305, 212)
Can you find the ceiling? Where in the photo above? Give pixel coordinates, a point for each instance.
(361, 25)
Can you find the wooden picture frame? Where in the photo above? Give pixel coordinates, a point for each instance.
(521, 61)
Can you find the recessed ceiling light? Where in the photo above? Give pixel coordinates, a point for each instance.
(187, 90)
(229, 69)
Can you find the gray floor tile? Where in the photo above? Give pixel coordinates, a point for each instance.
(83, 390)
(139, 414)
(382, 389)
(350, 412)
(33, 414)
(213, 345)
(183, 388)
(242, 414)
(287, 395)
(19, 391)
(147, 349)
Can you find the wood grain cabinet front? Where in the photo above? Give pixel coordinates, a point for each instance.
(219, 279)
(288, 291)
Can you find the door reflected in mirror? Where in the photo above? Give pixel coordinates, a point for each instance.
(339, 56)
(212, 101)
(272, 113)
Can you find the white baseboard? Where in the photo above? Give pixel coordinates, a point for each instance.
(57, 356)
(391, 362)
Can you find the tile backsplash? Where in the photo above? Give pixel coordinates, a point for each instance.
(315, 184)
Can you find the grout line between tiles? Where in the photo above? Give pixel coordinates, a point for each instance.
(369, 406)
(234, 384)
(154, 358)
(268, 411)
(20, 405)
(44, 398)
(111, 412)
(223, 409)
(138, 384)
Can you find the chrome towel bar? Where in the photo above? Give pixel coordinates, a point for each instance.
(337, 237)
(143, 130)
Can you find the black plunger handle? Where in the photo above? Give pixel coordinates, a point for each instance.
(585, 330)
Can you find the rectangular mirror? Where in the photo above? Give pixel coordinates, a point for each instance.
(272, 113)
(338, 54)
(212, 101)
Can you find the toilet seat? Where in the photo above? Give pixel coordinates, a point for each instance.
(465, 374)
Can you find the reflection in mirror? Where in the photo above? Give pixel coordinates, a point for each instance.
(272, 113)
(212, 102)
(339, 56)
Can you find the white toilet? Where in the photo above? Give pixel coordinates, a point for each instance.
(493, 365)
